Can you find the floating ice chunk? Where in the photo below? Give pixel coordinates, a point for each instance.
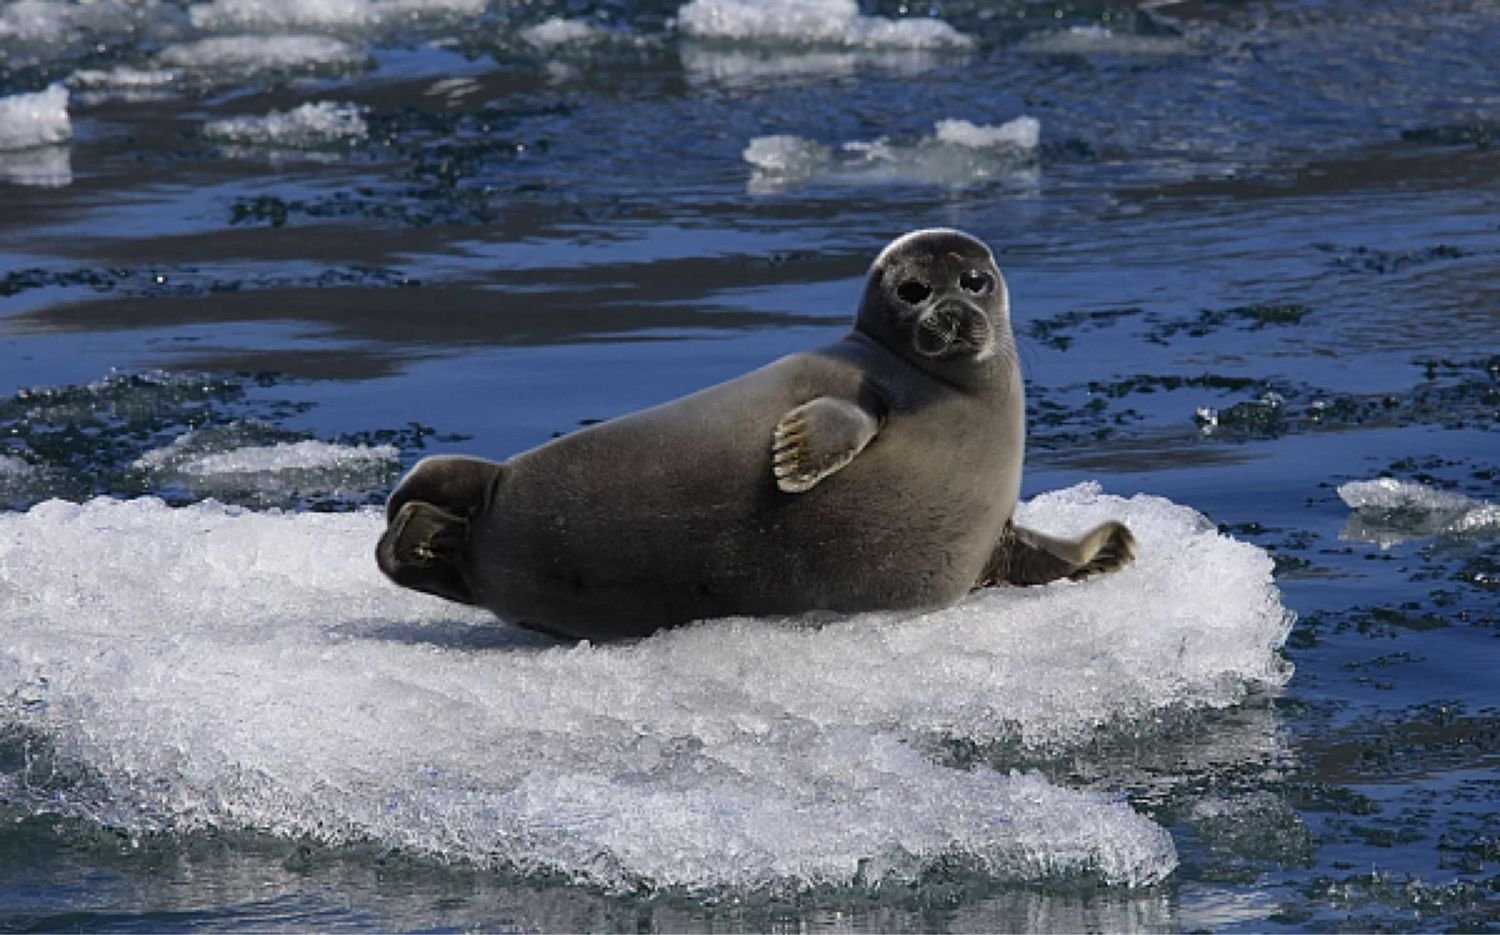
(39, 167)
(309, 125)
(125, 77)
(1021, 133)
(557, 32)
(812, 22)
(788, 155)
(211, 667)
(263, 53)
(214, 463)
(1096, 40)
(1389, 512)
(323, 14)
(959, 153)
(36, 119)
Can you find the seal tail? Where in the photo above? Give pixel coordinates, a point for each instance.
(425, 544)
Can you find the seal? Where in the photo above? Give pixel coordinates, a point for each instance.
(878, 472)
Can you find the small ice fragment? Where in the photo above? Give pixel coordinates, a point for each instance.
(262, 53)
(35, 119)
(1022, 133)
(559, 32)
(1388, 512)
(957, 154)
(322, 14)
(304, 455)
(308, 125)
(786, 155)
(125, 78)
(811, 22)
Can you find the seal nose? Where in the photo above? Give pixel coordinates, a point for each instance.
(954, 327)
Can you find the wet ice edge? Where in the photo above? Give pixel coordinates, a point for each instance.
(213, 667)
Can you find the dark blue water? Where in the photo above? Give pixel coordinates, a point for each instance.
(1253, 256)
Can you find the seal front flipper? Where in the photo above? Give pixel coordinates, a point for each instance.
(425, 541)
(818, 438)
(1026, 557)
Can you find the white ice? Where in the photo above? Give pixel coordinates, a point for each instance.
(324, 14)
(557, 32)
(958, 153)
(211, 667)
(263, 53)
(812, 22)
(309, 125)
(35, 119)
(1388, 512)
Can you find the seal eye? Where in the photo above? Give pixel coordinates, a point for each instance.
(913, 291)
(976, 282)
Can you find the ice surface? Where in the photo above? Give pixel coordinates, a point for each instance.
(206, 666)
(812, 22)
(324, 14)
(36, 119)
(959, 153)
(1389, 512)
(263, 53)
(215, 463)
(310, 125)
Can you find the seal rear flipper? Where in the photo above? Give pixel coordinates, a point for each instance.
(1026, 557)
(818, 438)
(423, 549)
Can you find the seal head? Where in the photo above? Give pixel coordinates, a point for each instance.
(937, 299)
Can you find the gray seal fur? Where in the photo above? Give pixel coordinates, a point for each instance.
(878, 472)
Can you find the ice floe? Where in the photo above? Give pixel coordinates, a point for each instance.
(812, 22)
(213, 667)
(1388, 512)
(324, 123)
(36, 119)
(958, 153)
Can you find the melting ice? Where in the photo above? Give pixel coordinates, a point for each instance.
(310, 125)
(957, 153)
(1389, 512)
(216, 463)
(323, 14)
(213, 667)
(812, 22)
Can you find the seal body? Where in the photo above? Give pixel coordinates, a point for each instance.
(877, 472)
